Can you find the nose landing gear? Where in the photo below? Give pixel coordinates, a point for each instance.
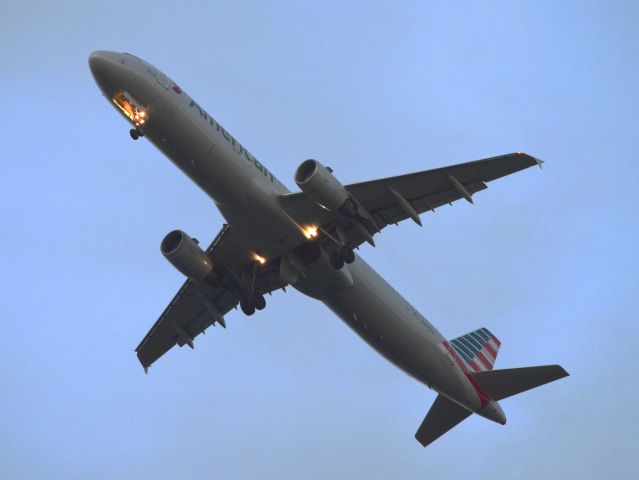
(133, 111)
(136, 133)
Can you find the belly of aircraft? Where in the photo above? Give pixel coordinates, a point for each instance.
(389, 324)
(380, 316)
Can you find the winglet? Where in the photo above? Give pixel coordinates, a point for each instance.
(538, 161)
(146, 369)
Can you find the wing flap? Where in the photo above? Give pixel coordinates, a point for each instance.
(184, 318)
(423, 191)
(198, 305)
(414, 185)
(392, 212)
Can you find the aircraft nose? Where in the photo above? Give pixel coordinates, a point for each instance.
(99, 62)
(105, 68)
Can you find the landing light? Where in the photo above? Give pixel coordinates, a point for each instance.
(310, 231)
(259, 258)
(132, 109)
(139, 116)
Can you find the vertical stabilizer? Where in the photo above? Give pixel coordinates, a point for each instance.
(478, 349)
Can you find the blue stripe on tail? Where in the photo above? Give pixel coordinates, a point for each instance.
(473, 344)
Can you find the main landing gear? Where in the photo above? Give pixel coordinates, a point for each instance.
(249, 306)
(136, 133)
(343, 255)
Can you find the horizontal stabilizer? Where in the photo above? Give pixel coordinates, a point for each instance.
(442, 416)
(505, 383)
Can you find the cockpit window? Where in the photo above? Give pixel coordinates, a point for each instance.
(131, 55)
(149, 68)
(163, 80)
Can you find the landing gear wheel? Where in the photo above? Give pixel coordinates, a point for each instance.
(259, 302)
(336, 261)
(140, 131)
(134, 134)
(347, 255)
(247, 308)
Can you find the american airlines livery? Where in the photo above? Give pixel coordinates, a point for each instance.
(275, 238)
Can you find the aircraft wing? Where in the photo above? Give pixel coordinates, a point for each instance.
(393, 199)
(198, 305)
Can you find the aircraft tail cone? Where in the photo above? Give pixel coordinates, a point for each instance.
(493, 412)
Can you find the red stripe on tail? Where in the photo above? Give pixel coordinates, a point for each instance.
(484, 360)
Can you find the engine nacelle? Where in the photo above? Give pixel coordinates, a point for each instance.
(186, 255)
(320, 184)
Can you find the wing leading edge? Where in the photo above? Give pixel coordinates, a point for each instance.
(394, 199)
(198, 305)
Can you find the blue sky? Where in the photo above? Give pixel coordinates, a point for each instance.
(545, 259)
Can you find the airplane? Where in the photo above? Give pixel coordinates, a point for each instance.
(274, 238)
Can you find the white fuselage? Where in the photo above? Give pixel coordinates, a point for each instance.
(247, 194)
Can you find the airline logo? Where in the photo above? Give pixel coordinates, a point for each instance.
(478, 349)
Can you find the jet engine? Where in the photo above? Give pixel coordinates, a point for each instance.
(319, 183)
(186, 255)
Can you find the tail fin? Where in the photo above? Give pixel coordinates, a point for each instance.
(478, 349)
(501, 384)
(442, 416)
